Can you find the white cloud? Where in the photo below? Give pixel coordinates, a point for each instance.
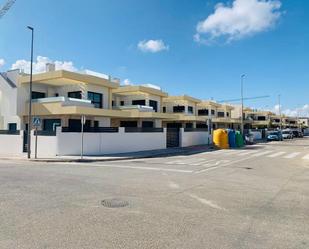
(152, 46)
(127, 82)
(2, 62)
(302, 111)
(39, 65)
(240, 19)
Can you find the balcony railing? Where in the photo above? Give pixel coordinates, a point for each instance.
(91, 129)
(9, 132)
(142, 129)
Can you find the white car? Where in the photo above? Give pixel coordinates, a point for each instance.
(287, 135)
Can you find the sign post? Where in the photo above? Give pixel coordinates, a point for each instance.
(36, 122)
(83, 121)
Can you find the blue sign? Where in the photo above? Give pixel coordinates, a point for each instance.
(36, 122)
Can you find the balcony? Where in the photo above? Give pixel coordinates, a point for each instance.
(65, 101)
(141, 108)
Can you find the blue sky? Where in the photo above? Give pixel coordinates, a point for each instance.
(104, 35)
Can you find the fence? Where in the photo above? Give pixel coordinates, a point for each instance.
(11, 142)
(194, 136)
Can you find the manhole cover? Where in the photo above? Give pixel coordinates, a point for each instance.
(114, 203)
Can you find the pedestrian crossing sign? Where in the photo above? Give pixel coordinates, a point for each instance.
(36, 122)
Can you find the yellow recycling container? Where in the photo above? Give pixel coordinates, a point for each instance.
(221, 139)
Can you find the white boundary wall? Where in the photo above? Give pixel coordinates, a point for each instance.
(46, 147)
(11, 144)
(69, 143)
(192, 138)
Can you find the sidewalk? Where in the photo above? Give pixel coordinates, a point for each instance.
(117, 157)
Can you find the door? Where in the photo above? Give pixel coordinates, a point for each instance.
(172, 137)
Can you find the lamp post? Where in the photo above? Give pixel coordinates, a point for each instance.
(242, 103)
(30, 98)
(280, 116)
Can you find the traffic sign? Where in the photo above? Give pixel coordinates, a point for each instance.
(36, 122)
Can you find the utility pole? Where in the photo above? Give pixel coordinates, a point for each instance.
(242, 105)
(30, 98)
(279, 100)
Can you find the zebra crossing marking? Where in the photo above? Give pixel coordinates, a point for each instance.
(306, 157)
(280, 153)
(262, 153)
(292, 155)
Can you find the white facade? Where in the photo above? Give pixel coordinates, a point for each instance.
(8, 100)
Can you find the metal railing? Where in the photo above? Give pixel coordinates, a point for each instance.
(45, 133)
(9, 132)
(142, 129)
(91, 129)
(195, 129)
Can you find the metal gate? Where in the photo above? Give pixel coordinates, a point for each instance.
(172, 137)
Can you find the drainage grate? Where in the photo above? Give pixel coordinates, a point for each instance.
(114, 203)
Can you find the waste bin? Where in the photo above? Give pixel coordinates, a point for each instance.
(232, 138)
(220, 139)
(239, 139)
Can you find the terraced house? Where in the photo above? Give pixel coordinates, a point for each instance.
(61, 98)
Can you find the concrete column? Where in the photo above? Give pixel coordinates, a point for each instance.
(158, 123)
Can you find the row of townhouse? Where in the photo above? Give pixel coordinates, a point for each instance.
(61, 97)
(258, 119)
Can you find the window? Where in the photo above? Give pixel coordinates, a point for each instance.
(37, 95)
(95, 123)
(51, 124)
(128, 123)
(203, 112)
(154, 105)
(56, 94)
(189, 125)
(201, 125)
(113, 103)
(75, 125)
(261, 118)
(96, 99)
(147, 124)
(212, 112)
(190, 109)
(12, 126)
(227, 114)
(220, 114)
(164, 109)
(75, 95)
(122, 103)
(179, 108)
(139, 102)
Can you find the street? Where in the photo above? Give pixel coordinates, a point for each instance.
(256, 197)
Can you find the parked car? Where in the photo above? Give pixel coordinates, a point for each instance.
(274, 136)
(287, 135)
(297, 133)
(249, 138)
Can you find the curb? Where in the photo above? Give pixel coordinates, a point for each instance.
(54, 160)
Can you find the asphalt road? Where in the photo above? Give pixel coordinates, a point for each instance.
(256, 197)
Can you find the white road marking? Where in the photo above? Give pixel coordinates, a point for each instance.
(280, 153)
(292, 155)
(306, 157)
(138, 167)
(206, 202)
(173, 185)
(247, 152)
(262, 153)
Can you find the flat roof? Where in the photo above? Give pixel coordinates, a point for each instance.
(183, 97)
(63, 77)
(135, 90)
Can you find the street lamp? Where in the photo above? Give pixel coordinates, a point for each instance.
(242, 104)
(280, 115)
(30, 98)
